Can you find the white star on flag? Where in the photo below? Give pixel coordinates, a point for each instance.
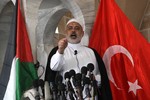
(134, 86)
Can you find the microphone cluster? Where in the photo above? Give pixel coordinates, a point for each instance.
(77, 86)
(33, 93)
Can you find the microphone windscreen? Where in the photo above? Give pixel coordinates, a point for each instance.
(75, 52)
(72, 73)
(90, 67)
(67, 75)
(84, 70)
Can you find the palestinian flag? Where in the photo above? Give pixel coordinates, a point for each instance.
(18, 70)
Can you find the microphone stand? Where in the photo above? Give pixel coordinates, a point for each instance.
(69, 88)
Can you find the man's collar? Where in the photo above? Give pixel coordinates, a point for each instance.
(75, 46)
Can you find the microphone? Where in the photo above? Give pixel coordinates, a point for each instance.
(78, 86)
(78, 77)
(84, 71)
(86, 83)
(75, 52)
(32, 94)
(72, 75)
(47, 91)
(69, 88)
(90, 67)
(60, 87)
(67, 81)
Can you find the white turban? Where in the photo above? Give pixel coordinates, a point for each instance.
(77, 21)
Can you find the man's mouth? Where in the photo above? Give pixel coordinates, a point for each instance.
(73, 36)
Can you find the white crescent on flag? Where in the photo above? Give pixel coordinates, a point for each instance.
(109, 53)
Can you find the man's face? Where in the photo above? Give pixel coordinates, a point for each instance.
(74, 32)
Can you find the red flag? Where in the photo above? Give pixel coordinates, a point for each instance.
(124, 51)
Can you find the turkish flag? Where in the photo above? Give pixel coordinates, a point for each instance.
(125, 52)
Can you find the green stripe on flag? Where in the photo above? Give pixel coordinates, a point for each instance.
(25, 75)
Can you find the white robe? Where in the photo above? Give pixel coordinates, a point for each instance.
(68, 60)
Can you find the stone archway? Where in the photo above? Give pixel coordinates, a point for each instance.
(49, 14)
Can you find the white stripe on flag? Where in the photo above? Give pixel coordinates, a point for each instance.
(14, 1)
(10, 93)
